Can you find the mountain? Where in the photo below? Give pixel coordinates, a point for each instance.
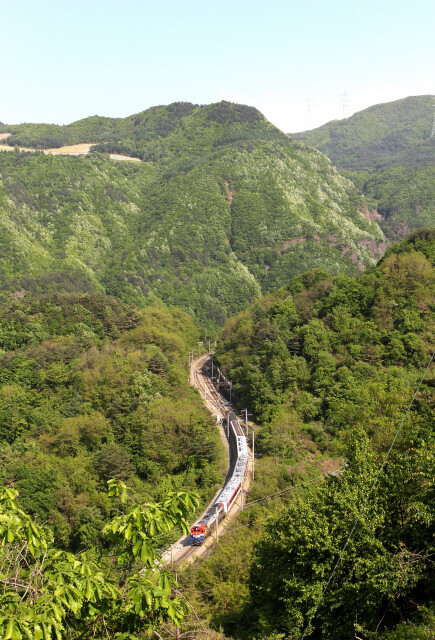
(388, 151)
(222, 207)
(329, 366)
(158, 134)
(396, 132)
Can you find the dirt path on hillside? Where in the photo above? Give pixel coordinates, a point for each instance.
(80, 149)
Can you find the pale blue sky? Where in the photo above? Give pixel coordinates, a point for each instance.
(67, 59)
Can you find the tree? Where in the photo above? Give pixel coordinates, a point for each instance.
(386, 567)
(122, 594)
(112, 460)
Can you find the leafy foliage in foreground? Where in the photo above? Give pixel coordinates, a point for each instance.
(91, 389)
(386, 572)
(331, 363)
(223, 207)
(121, 593)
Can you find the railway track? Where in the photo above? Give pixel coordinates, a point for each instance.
(219, 407)
(205, 386)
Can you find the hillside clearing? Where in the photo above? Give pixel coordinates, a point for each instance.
(79, 149)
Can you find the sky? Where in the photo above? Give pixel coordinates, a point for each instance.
(300, 62)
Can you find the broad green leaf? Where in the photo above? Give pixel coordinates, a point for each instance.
(137, 547)
(9, 629)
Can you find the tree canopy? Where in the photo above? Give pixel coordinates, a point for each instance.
(121, 592)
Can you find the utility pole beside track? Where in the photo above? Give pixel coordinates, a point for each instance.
(209, 389)
(253, 454)
(246, 421)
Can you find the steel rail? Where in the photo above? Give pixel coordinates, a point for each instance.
(209, 393)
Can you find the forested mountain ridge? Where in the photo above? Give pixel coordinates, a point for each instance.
(158, 134)
(331, 365)
(224, 207)
(392, 133)
(317, 329)
(388, 152)
(93, 388)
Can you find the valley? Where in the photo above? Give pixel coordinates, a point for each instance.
(218, 405)
(181, 225)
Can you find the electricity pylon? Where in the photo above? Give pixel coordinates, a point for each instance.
(344, 104)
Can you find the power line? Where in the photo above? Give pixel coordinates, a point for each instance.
(292, 488)
(368, 497)
(344, 103)
(257, 522)
(270, 495)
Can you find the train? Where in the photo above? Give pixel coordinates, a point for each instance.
(231, 489)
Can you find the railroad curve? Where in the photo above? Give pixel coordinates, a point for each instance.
(218, 406)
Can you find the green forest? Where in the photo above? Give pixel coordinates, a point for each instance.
(95, 389)
(388, 152)
(328, 366)
(113, 272)
(88, 387)
(224, 208)
(94, 396)
(392, 133)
